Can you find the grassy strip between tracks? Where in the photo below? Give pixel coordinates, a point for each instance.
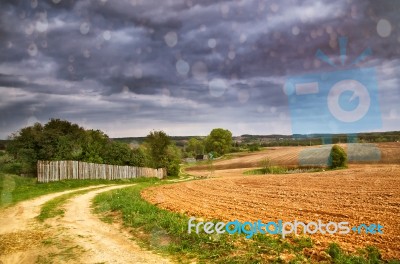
(166, 232)
(54, 207)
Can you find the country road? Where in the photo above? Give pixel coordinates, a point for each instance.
(78, 237)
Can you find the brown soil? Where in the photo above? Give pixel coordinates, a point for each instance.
(78, 237)
(364, 193)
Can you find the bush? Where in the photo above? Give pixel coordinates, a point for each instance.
(173, 168)
(337, 157)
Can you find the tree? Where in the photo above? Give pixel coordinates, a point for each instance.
(195, 147)
(158, 142)
(163, 153)
(62, 140)
(219, 141)
(337, 157)
(117, 153)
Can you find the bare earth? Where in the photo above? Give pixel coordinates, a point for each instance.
(364, 193)
(78, 237)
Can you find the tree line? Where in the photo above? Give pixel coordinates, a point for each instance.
(63, 140)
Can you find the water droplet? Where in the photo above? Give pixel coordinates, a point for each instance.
(107, 35)
(243, 96)
(260, 109)
(44, 43)
(71, 68)
(9, 44)
(29, 29)
(32, 49)
(231, 55)
(212, 43)
(217, 87)
(274, 7)
(199, 70)
(242, 38)
(384, 28)
(224, 10)
(182, 67)
(137, 72)
(86, 53)
(42, 24)
(34, 3)
(71, 59)
(85, 28)
(295, 30)
(56, 1)
(171, 38)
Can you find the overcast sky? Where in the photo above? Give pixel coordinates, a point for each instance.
(183, 66)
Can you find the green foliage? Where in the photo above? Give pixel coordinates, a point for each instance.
(195, 147)
(219, 141)
(337, 157)
(62, 140)
(163, 153)
(254, 147)
(369, 255)
(140, 157)
(118, 154)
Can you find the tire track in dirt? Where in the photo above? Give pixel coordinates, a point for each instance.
(97, 242)
(102, 243)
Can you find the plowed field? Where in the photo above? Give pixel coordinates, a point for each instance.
(364, 193)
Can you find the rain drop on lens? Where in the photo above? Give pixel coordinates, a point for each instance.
(384, 28)
(212, 43)
(32, 49)
(171, 39)
(182, 67)
(84, 28)
(217, 87)
(107, 35)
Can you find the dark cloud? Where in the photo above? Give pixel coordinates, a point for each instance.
(183, 66)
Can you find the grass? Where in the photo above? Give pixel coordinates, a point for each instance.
(14, 188)
(166, 232)
(54, 208)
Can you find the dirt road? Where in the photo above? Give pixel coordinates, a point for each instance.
(78, 237)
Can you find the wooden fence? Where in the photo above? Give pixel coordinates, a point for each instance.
(48, 171)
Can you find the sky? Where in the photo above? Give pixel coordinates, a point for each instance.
(127, 67)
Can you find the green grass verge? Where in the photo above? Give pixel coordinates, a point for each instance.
(14, 188)
(166, 232)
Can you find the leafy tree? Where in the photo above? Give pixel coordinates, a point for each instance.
(219, 141)
(117, 153)
(163, 153)
(195, 147)
(140, 157)
(337, 157)
(62, 140)
(158, 142)
(173, 160)
(94, 146)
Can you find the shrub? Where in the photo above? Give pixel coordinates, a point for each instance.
(337, 157)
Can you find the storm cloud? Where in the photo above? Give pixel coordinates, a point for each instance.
(183, 66)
